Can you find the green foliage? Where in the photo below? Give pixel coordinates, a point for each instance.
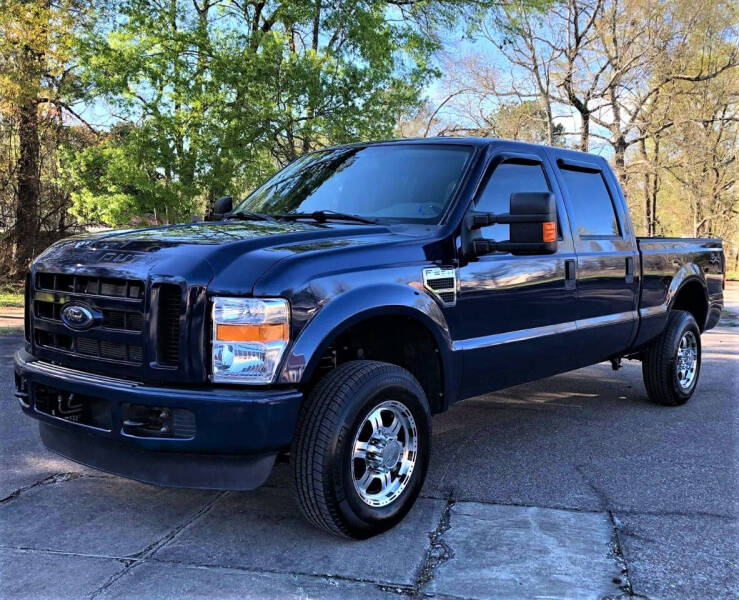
(11, 295)
(217, 94)
(39, 89)
(117, 181)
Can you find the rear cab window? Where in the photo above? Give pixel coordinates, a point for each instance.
(593, 212)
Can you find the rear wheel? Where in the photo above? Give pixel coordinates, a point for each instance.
(672, 362)
(361, 451)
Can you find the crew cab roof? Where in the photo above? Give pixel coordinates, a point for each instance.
(477, 142)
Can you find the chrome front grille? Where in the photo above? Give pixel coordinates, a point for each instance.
(140, 327)
(119, 337)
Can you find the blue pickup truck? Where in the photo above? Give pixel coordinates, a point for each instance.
(327, 316)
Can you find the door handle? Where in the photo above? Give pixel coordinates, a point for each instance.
(629, 269)
(570, 274)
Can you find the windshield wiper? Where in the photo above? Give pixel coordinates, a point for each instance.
(325, 215)
(246, 215)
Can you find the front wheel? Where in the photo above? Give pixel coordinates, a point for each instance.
(672, 362)
(361, 451)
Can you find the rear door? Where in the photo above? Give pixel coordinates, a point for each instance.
(607, 259)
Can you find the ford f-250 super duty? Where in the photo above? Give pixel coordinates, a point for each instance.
(329, 314)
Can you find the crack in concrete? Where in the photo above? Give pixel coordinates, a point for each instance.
(30, 550)
(400, 588)
(624, 583)
(602, 497)
(617, 552)
(139, 558)
(50, 480)
(439, 551)
(154, 546)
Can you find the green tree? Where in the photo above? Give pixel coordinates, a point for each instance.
(38, 87)
(218, 93)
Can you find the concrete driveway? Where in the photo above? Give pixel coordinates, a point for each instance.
(571, 487)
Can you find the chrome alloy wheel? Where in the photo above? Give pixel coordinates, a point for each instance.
(687, 360)
(384, 453)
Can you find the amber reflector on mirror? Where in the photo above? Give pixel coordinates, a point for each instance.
(549, 231)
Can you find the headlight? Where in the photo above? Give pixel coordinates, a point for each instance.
(249, 338)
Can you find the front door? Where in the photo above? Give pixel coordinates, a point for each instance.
(515, 315)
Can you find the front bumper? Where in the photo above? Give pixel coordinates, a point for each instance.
(230, 441)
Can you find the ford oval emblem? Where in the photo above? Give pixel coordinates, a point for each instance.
(76, 316)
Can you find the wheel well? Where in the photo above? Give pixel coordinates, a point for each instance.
(402, 341)
(692, 298)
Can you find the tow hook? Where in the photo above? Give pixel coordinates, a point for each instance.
(616, 363)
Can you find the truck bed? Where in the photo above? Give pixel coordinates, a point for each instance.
(667, 262)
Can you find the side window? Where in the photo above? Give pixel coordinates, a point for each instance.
(591, 203)
(507, 179)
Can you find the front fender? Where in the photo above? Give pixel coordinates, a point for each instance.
(358, 304)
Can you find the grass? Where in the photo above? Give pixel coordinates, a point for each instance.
(732, 276)
(11, 331)
(11, 295)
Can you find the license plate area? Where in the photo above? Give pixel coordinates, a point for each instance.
(73, 407)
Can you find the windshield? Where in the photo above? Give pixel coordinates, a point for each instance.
(404, 182)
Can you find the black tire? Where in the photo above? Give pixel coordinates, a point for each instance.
(660, 365)
(322, 449)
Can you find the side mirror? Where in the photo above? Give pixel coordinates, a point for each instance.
(533, 227)
(221, 207)
(539, 235)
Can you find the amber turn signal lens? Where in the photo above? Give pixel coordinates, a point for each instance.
(251, 333)
(549, 231)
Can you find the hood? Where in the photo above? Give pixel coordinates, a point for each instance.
(196, 252)
(217, 232)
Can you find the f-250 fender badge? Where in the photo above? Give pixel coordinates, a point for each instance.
(442, 282)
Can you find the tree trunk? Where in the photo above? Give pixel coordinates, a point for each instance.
(653, 199)
(655, 186)
(584, 131)
(619, 138)
(26, 210)
(550, 119)
(647, 205)
(309, 111)
(619, 159)
(648, 215)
